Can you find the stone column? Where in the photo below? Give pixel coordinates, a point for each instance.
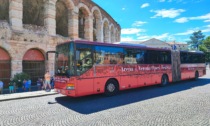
(89, 28)
(73, 24)
(16, 67)
(16, 14)
(99, 33)
(50, 15)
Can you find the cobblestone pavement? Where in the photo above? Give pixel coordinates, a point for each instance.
(180, 104)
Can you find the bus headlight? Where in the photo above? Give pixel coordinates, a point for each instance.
(70, 87)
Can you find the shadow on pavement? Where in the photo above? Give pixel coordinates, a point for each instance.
(96, 103)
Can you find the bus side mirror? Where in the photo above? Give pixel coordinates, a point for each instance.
(51, 52)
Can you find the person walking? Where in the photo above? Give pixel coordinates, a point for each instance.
(1, 87)
(11, 86)
(47, 80)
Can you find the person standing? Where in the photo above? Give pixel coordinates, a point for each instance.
(1, 87)
(47, 80)
(29, 84)
(19, 85)
(11, 86)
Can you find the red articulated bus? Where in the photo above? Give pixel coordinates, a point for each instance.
(85, 68)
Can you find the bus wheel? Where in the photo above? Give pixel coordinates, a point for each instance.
(196, 75)
(164, 80)
(111, 88)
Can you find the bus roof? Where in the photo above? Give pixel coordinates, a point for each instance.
(128, 45)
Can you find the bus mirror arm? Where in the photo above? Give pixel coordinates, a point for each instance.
(50, 52)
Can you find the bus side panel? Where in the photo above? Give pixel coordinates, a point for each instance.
(85, 83)
(188, 71)
(84, 87)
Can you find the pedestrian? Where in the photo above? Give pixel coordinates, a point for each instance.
(39, 83)
(14, 86)
(24, 83)
(52, 82)
(47, 80)
(1, 87)
(29, 84)
(11, 86)
(19, 85)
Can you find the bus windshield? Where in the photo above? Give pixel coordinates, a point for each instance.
(64, 61)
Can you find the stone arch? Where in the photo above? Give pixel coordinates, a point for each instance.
(112, 35)
(106, 31)
(97, 19)
(117, 35)
(62, 18)
(4, 10)
(5, 66)
(34, 63)
(83, 21)
(33, 12)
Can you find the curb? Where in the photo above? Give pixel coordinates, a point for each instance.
(24, 96)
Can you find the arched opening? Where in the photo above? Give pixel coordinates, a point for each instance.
(106, 32)
(83, 15)
(117, 35)
(61, 18)
(34, 64)
(112, 34)
(5, 67)
(4, 10)
(96, 25)
(33, 12)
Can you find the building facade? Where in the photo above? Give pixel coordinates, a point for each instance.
(30, 28)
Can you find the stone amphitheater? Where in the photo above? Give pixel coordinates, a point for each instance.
(30, 28)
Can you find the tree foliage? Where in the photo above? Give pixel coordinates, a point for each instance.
(206, 42)
(20, 77)
(196, 39)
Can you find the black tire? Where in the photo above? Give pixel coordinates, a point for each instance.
(196, 75)
(164, 80)
(111, 88)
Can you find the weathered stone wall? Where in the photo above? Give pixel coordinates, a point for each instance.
(29, 24)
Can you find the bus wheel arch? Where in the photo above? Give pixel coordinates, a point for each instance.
(164, 80)
(111, 87)
(196, 75)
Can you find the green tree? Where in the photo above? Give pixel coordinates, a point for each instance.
(203, 48)
(206, 42)
(196, 39)
(21, 77)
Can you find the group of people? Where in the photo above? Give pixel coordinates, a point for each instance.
(43, 84)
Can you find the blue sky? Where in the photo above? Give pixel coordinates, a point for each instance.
(167, 20)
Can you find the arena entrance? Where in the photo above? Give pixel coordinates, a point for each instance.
(5, 67)
(34, 64)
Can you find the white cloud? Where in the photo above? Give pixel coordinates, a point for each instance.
(164, 36)
(205, 17)
(182, 20)
(138, 23)
(123, 8)
(188, 32)
(131, 31)
(171, 13)
(145, 5)
(127, 39)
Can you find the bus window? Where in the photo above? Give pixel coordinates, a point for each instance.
(108, 55)
(84, 58)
